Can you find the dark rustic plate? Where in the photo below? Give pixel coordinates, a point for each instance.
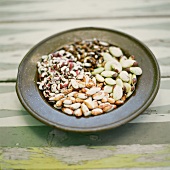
(146, 89)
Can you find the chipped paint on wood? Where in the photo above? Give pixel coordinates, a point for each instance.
(126, 147)
(45, 136)
(13, 47)
(84, 157)
(47, 10)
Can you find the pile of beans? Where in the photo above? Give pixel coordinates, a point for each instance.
(87, 78)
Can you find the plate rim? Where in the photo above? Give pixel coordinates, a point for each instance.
(99, 128)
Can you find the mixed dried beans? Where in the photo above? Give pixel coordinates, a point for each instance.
(89, 77)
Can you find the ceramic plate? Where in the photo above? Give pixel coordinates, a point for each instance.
(33, 101)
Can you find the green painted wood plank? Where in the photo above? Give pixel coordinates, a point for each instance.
(6, 88)
(10, 113)
(165, 109)
(163, 26)
(164, 61)
(84, 157)
(164, 6)
(158, 43)
(128, 134)
(35, 136)
(91, 9)
(13, 2)
(13, 47)
(10, 31)
(165, 84)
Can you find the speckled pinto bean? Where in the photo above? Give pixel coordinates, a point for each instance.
(87, 78)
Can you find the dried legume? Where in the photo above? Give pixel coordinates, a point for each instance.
(87, 78)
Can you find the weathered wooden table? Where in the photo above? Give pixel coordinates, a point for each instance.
(26, 143)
